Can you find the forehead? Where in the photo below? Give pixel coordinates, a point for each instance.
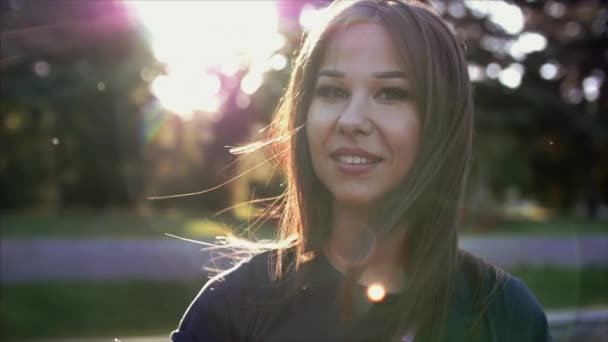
(364, 46)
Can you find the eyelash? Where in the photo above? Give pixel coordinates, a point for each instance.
(331, 92)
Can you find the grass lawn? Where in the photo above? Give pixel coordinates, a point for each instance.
(555, 226)
(122, 224)
(558, 288)
(122, 309)
(110, 310)
(126, 224)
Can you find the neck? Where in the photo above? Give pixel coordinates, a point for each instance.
(354, 241)
(352, 235)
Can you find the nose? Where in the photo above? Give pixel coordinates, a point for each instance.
(354, 120)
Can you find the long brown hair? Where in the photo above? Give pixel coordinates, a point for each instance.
(428, 202)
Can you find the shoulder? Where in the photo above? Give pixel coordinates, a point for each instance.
(519, 308)
(220, 311)
(510, 310)
(516, 294)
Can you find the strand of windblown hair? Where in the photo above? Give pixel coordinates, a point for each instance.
(152, 198)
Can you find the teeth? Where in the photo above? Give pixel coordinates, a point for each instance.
(354, 160)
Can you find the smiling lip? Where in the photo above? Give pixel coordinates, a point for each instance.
(355, 169)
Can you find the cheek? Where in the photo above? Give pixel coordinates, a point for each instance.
(316, 151)
(318, 126)
(314, 135)
(311, 132)
(403, 136)
(409, 135)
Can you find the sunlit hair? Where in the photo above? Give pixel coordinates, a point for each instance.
(427, 204)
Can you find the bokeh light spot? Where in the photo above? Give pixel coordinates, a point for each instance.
(555, 9)
(493, 70)
(508, 16)
(511, 76)
(376, 292)
(526, 43)
(243, 101)
(456, 9)
(278, 62)
(549, 70)
(572, 29)
(572, 94)
(13, 121)
(475, 72)
(251, 83)
(147, 74)
(41, 68)
(591, 88)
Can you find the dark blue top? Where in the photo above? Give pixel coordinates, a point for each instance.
(243, 304)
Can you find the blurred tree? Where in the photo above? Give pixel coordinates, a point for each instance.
(69, 128)
(79, 124)
(544, 84)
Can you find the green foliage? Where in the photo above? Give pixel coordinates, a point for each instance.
(562, 225)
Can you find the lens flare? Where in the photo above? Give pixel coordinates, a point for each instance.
(376, 292)
(154, 118)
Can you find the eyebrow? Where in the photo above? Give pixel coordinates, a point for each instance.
(381, 74)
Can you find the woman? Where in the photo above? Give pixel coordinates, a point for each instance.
(374, 134)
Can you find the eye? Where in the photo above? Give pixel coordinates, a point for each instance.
(392, 94)
(331, 92)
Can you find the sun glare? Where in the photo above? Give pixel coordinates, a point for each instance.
(198, 40)
(310, 16)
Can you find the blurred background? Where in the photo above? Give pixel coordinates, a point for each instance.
(108, 105)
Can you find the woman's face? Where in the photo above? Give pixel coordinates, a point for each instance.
(362, 127)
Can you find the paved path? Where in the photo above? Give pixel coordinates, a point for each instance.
(541, 250)
(26, 260)
(45, 259)
(576, 325)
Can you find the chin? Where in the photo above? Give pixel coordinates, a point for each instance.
(352, 198)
